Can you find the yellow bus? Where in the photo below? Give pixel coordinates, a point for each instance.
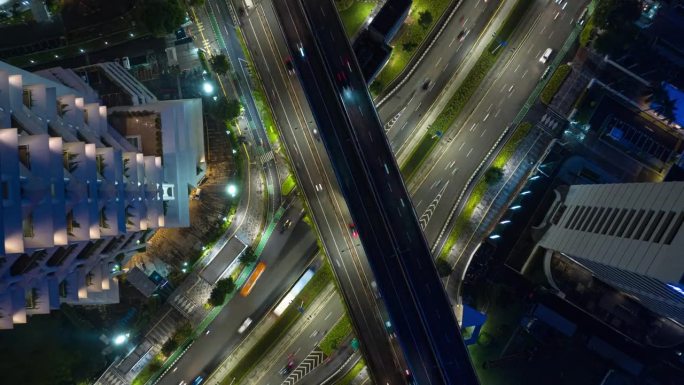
(249, 285)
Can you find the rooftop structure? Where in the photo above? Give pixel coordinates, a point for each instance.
(79, 198)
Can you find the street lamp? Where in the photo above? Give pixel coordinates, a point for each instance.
(505, 222)
(516, 207)
(208, 88)
(495, 236)
(232, 190)
(120, 339)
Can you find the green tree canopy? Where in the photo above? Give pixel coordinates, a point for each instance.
(425, 19)
(223, 109)
(220, 291)
(160, 17)
(493, 175)
(248, 256)
(220, 64)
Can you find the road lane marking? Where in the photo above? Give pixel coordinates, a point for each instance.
(469, 152)
(473, 127)
(327, 316)
(452, 41)
(485, 118)
(497, 112)
(503, 88)
(550, 35)
(516, 68)
(462, 144)
(438, 61)
(483, 132)
(445, 67)
(542, 30)
(455, 171)
(524, 73)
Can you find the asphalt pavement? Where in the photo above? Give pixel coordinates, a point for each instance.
(446, 171)
(316, 180)
(406, 107)
(286, 256)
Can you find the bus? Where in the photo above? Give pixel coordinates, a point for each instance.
(256, 274)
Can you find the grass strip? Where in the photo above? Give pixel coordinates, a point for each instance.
(465, 91)
(338, 333)
(554, 83)
(355, 15)
(351, 375)
(463, 220)
(288, 185)
(280, 328)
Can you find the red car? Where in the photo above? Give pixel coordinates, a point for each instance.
(352, 228)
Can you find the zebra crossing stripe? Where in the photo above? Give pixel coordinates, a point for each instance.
(311, 361)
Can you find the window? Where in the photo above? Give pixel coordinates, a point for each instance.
(643, 225)
(664, 227)
(27, 225)
(610, 221)
(629, 217)
(618, 220)
(27, 99)
(572, 216)
(589, 219)
(5, 190)
(100, 162)
(675, 229)
(25, 156)
(634, 224)
(654, 224)
(598, 216)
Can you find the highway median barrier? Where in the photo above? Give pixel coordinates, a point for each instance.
(446, 118)
(351, 375)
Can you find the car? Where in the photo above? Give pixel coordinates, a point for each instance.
(341, 77)
(463, 34)
(426, 85)
(285, 226)
(244, 325)
(198, 380)
(319, 187)
(352, 228)
(545, 57)
(126, 62)
(300, 48)
(347, 63)
(289, 66)
(287, 369)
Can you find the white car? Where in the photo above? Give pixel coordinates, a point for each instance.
(300, 48)
(245, 325)
(545, 57)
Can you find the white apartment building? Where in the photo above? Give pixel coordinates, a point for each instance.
(629, 235)
(78, 197)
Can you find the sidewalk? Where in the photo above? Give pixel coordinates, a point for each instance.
(481, 44)
(258, 332)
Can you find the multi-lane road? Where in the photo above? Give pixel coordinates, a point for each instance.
(375, 194)
(404, 109)
(319, 186)
(447, 170)
(286, 255)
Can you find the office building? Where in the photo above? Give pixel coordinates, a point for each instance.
(628, 235)
(79, 197)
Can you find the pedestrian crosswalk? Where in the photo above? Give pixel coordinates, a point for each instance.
(183, 304)
(311, 361)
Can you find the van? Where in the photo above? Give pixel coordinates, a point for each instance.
(197, 194)
(545, 57)
(126, 62)
(245, 325)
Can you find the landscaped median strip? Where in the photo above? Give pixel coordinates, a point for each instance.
(351, 375)
(280, 327)
(341, 331)
(463, 219)
(555, 83)
(465, 91)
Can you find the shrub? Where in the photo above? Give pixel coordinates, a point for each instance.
(554, 83)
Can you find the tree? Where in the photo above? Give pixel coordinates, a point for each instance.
(220, 64)
(220, 291)
(444, 269)
(493, 175)
(195, 3)
(160, 17)
(425, 19)
(376, 87)
(169, 346)
(409, 46)
(248, 256)
(223, 109)
(613, 14)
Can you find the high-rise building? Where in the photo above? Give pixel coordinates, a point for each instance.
(629, 235)
(80, 197)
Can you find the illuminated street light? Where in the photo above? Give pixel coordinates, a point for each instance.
(232, 190)
(495, 236)
(516, 207)
(525, 192)
(535, 177)
(208, 88)
(120, 339)
(505, 222)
